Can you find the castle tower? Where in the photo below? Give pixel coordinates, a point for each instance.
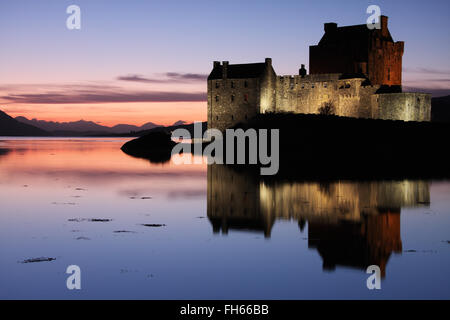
(238, 92)
(360, 51)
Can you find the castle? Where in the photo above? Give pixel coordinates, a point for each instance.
(354, 72)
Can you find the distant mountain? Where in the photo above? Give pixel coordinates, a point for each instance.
(82, 126)
(179, 123)
(121, 128)
(168, 129)
(440, 109)
(188, 126)
(11, 127)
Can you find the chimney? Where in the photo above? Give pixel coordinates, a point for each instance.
(225, 69)
(330, 27)
(268, 62)
(384, 26)
(302, 71)
(216, 64)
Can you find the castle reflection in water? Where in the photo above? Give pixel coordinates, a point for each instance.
(353, 224)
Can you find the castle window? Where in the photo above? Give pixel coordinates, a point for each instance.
(245, 117)
(232, 97)
(313, 86)
(347, 85)
(217, 117)
(389, 74)
(325, 85)
(232, 117)
(217, 85)
(245, 84)
(217, 98)
(303, 86)
(246, 97)
(232, 84)
(291, 83)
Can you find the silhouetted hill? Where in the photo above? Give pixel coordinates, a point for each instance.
(84, 127)
(440, 109)
(314, 146)
(11, 127)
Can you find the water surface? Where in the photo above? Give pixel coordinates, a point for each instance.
(222, 234)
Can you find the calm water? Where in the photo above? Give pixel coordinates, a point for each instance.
(227, 235)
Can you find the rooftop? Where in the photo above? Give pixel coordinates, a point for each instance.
(238, 71)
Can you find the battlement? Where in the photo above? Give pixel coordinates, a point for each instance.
(312, 77)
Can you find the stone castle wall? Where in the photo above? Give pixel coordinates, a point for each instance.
(402, 106)
(349, 98)
(231, 101)
(236, 100)
(385, 62)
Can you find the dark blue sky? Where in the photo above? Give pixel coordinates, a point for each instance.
(132, 36)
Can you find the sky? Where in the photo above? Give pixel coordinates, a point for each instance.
(139, 61)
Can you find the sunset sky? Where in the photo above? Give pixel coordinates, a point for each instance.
(139, 61)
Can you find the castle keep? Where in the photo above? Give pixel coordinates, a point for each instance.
(354, 72)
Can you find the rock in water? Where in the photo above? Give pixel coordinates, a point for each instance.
(155, 146)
